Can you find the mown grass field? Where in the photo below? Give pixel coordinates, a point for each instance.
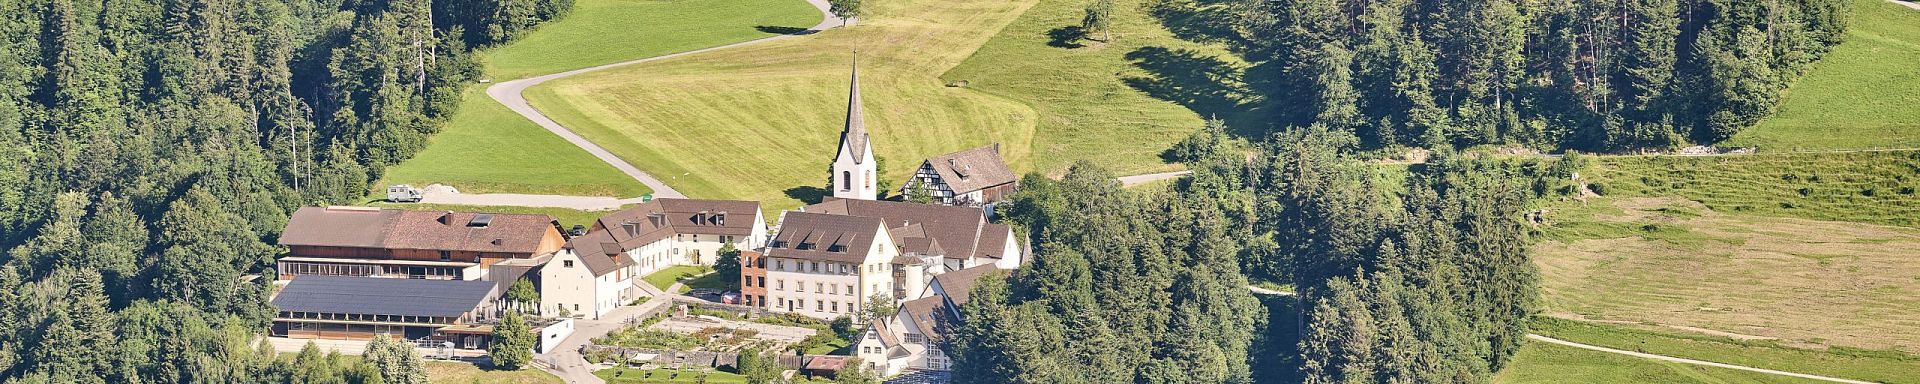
(761, 122)
(1666, 260)
(1118, 103)
(1874, 366)
(610, 31)
(1863, 94)
(488, 148)
(1544, 363)
(666, 277)
(446, 372)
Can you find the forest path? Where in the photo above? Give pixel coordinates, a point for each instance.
(511, 94)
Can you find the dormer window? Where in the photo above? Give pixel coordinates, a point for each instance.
(805, 246)
(837, 248)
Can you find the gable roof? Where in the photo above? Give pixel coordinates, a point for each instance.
(366, 227)
(382, 296)
(958, 229)
(855, 137)
(930, 315)
(813, 236)
(665, 217)
(972, 170)
(958, 285)
(598, 252)
(994, 239)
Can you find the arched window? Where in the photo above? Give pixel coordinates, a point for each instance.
(846, 180)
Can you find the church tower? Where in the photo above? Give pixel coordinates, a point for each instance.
(854, 171)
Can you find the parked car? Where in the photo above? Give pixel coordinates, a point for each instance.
(730, 298)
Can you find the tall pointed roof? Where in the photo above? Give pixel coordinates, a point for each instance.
(855, 137)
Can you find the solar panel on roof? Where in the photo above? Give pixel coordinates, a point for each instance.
(382, 296)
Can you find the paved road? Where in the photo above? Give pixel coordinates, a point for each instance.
(1128, 181)
(565, 359)
(510, 93)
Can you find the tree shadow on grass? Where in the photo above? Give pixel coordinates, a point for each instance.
(1202, 83)
(807, 194)
(784, 30)
(1066, 37)
(1204, 21)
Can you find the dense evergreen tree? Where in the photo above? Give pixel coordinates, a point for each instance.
(150, 152)
(1580, 74)
(728, 264)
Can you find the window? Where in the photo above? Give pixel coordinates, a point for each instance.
(836, 289)
(815, 265)
(819, 288)
(780, 265)
(779, 285)
(846, 180)
(836, 306)
(567, 264)
(849, 289)
(763, 281)
(915, 338)
(446, 255)
(819, 305)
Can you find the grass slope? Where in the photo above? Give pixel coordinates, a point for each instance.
(610, 31)
(1863, 94)
(488, 148)
(1875, 366)
(1867, 187)
(1105, 102)
(444, 372)
(1555, 364)
(761, 122)
(567, 217)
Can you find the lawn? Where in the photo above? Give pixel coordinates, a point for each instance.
(488, 148)
(610, 31)
(666, 277)
(1675, 262)
(1554, 364)
(1121, 103)
(1863, 94)
(446, 372)
(1875, 366)
(761, 122)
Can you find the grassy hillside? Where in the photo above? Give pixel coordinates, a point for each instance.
(488, 148)
(761, 122)
(1866, 187)
(609, 31)
(1106, 102)
(1875, 366)
(1863, 94)
(1554, 364)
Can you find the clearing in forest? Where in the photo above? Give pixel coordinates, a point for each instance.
(487, 148)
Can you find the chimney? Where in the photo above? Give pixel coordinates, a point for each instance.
(446, 218)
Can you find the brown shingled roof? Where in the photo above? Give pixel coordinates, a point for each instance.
(598, 252)
(930, 315)
(361, 227)
(813, 236)
(958, 285)
(973, 169)
(958, 229)
(654, 220)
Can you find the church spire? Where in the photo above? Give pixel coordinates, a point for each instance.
(855, 137)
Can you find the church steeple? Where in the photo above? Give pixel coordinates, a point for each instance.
(855, 137)
(854, 176)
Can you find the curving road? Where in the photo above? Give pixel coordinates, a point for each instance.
(510, 93)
